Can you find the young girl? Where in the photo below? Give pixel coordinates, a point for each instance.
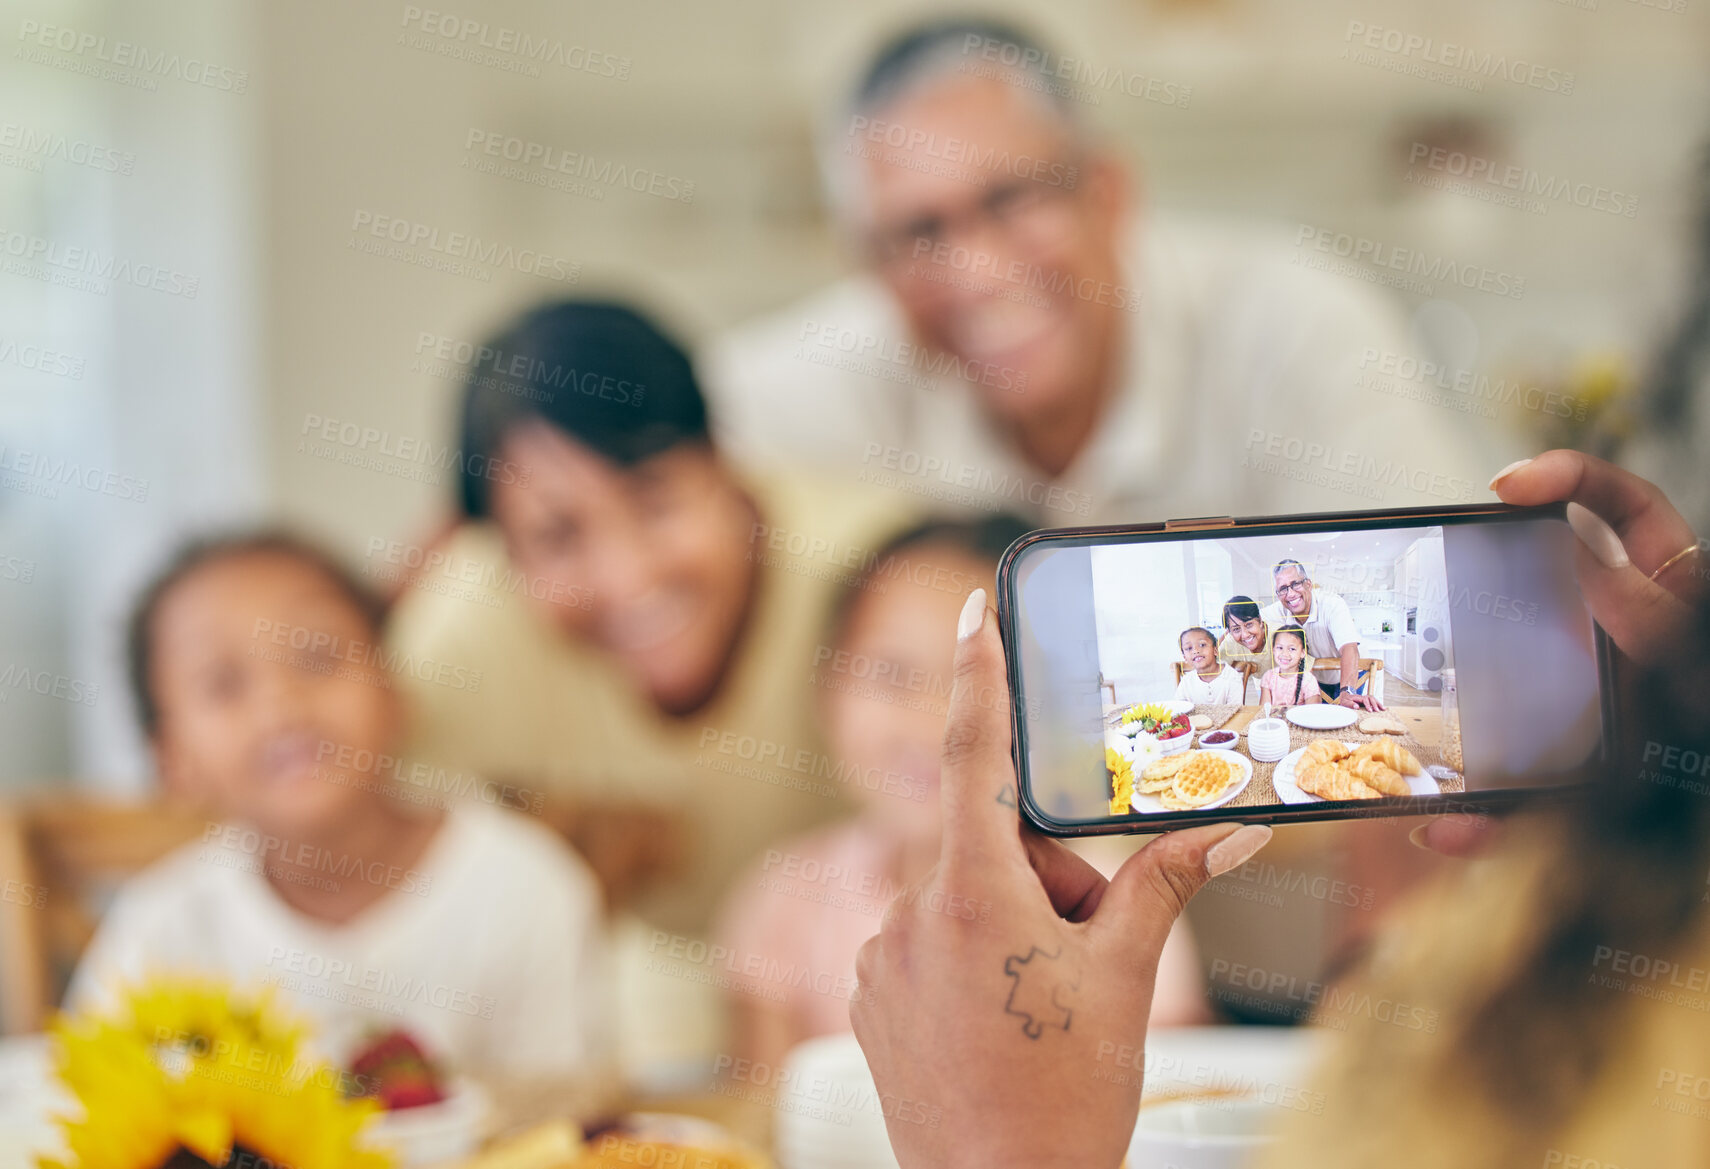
(265, 698)
(797, 919)
(1289, 683)
(1207, 680)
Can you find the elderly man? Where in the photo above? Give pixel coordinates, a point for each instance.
(1021, 337)
(1331, 639)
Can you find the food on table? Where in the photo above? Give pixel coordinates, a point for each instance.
(1121, 782)
(1331, 781)
(1324, 751)
(1158, 776)
(1452, 742)
(1377, 774)
(1391, 754)
(1201, 779)
(394, 1070)
(1382, 724)
(1157, 720)
(1199, 722)
(1218, 737)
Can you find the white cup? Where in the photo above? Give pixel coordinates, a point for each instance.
(1267, 740)
(1202, 1134)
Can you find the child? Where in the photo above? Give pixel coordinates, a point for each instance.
(1289, 683)
(265, 699)
(800, 916)
(1208, 680)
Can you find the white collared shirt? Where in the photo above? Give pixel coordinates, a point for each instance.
(1249, 385)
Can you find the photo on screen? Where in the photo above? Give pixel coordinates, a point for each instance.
(1185, 675)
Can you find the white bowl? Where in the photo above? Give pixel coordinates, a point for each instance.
(1202, 1134)
(433, 1133)
(1267, 740)
(1228, 744)
(1172, 746)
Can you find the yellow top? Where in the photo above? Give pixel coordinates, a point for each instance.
(1395, 1093)
(535, 708)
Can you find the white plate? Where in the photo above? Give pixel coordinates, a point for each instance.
(1282, 779)
(1322, 716)
(1145, 803)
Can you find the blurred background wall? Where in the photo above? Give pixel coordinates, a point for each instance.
(228, 173)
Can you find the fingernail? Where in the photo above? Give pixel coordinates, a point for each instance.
(973, 615)
(1507, 471)
(1417, 837)
(1234, 850)
(1597, 536)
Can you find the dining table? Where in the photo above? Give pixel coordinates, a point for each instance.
(1422, 735)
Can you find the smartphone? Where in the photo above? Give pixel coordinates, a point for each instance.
(1465, 624)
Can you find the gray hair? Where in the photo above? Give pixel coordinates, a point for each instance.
(930, 54)
(1282, 564)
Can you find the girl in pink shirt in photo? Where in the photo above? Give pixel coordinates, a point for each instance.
(1289, 682)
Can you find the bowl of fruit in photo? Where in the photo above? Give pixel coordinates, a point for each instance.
(429, 1117)
(1165, 723)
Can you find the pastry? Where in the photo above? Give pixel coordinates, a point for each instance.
(1377, 774)
(1381, 724)
(1324, 751)
(1159, 774)
(1331, 781)
(1391, 754)
(1201, 780)
(1199, 722)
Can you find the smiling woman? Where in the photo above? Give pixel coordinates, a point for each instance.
(638, 606)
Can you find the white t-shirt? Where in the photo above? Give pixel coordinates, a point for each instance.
(1329, 626)
(1251, 384)
(1227, 689)
(489, 953)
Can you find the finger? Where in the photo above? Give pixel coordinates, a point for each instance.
(1458, 836)
(1074, 886)
(1646, 523)
(978, 776)
(1154, 885)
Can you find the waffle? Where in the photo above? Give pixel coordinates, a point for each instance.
(1160, 774)
(1201, 779)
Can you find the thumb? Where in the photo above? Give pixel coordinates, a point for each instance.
(1154, 885)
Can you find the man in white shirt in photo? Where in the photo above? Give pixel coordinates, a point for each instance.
(1024, 333)
(1331, 638)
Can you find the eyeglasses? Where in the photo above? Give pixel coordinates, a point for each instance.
(1026, 211)
(1293, 586)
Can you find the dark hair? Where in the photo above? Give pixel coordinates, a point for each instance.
(1241, 608)
(984, 539)
(1299, 671)
(599, 373)
(1626, 865)
(192, 558)
(913, 54)
(1196, 629)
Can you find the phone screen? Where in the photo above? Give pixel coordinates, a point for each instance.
(1176, 677)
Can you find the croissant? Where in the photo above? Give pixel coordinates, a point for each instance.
(1375, 773)
(1324, 751)
(1331, 782)
(1391, 754)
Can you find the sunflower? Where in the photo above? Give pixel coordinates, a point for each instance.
(186, 1067)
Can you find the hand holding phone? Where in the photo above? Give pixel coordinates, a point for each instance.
(1012, 991)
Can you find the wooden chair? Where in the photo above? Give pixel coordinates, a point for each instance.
(1368, 677)
(60, 855)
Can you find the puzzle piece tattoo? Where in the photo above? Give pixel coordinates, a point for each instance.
(1030, 1001)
